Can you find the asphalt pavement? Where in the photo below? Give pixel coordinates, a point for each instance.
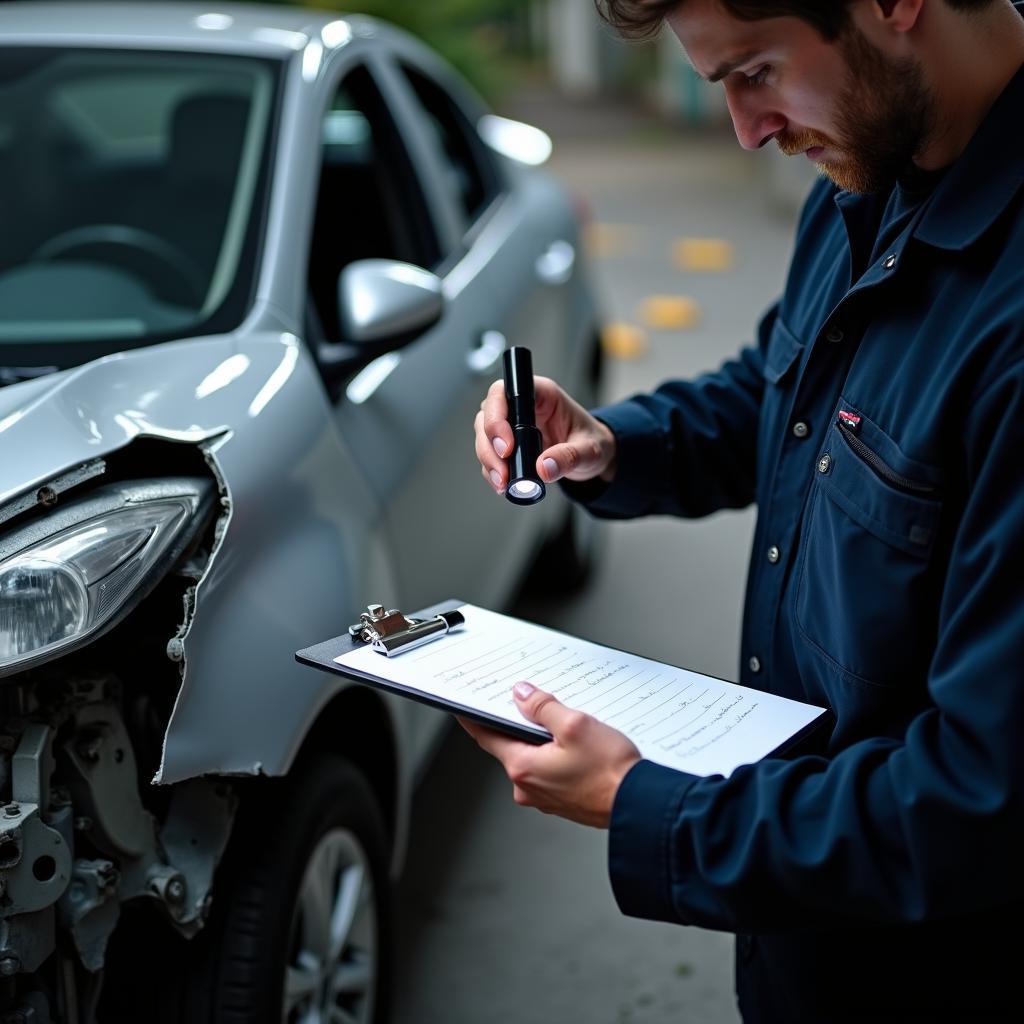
(506, 915)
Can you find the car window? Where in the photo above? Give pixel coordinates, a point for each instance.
(471, 177)
(137, 177)
(369, 203)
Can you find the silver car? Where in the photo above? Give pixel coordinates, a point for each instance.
(257, 269)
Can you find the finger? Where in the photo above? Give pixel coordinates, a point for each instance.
(522, 797)
(547, 396)
(543, 708)
(576, 459)
(495, 743)
(495, 420)
(495, 470)
(495, 478)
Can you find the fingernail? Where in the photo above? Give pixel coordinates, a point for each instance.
(496, 478)
(500, 447)
(550, 468)
(523, 690)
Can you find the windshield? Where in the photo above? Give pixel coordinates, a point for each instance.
(133, 183)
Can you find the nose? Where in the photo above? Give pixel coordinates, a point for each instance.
(754, 122)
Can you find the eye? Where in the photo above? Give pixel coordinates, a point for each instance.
(760, 76)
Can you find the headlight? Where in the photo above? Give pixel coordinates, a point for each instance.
(62, 589)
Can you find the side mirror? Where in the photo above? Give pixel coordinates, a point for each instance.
(387, 303)
(382, 305)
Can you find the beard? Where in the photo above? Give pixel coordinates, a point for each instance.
(886, 115)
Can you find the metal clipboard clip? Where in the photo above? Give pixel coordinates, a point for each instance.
(390, 632)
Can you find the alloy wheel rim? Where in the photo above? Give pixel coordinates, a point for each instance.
(333, 952)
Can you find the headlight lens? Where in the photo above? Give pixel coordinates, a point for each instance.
(65, 588)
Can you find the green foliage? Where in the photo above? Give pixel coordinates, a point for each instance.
(474, 35)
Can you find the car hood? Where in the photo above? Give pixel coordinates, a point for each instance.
(186, 391)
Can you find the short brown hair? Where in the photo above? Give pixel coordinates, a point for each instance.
(641, 19)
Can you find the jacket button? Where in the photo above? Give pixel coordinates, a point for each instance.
(801, 430)
(824, 463)
(835, 336)
(755, 664)
(890, 262)
(774, 554)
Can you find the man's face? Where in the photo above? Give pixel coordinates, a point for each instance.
(858, 114)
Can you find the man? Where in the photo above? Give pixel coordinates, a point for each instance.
(878, 424)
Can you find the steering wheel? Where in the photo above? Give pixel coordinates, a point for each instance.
(122, 244)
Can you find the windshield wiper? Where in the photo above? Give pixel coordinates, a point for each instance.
(16, 374)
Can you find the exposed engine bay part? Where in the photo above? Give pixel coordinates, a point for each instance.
(34, 856)
(171, 863)
(89, 909)
(101, 774)
(81, 794)
(194, 836)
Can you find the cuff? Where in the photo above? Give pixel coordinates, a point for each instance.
(640, 856)
(641, 467)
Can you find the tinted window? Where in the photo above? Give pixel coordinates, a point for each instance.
(369, 203)
(471, 177)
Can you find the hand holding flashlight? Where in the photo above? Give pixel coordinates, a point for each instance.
(574, 444)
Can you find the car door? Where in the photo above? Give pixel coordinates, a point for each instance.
(389, 188)
(451, 534)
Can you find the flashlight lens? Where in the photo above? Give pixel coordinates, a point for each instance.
(525, 489)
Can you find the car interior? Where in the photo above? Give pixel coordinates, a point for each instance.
(369, 203)
(127, 180)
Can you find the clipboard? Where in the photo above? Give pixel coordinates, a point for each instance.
(683, 719)
(322, 656)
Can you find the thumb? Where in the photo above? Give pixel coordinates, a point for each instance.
(574, 461)
(538, 706)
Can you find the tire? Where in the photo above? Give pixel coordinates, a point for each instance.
(308, 854)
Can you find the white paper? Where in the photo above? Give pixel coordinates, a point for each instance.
(682, 719)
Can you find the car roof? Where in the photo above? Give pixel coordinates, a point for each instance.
(237, 28)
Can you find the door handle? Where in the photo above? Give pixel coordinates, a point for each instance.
(555, 264)
(488, 351)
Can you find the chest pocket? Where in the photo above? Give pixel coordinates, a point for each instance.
(783, 349)
(866, 599)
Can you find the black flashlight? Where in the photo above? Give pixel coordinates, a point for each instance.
(524, 485)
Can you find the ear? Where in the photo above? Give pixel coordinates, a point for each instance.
(894, 15)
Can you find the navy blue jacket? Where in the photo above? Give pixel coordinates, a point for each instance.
(879, 425)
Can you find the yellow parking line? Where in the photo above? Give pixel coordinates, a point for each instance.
(603, 241)
(623, 341)
(704, 254)
(669, 312)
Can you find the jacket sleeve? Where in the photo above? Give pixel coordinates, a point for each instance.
(887, 830)
(689, 448)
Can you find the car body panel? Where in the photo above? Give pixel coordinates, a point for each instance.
(234, 28)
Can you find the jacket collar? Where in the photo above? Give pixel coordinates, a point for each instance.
(985, 177)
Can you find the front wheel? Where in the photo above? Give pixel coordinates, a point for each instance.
(300, 929)
(332, 973)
